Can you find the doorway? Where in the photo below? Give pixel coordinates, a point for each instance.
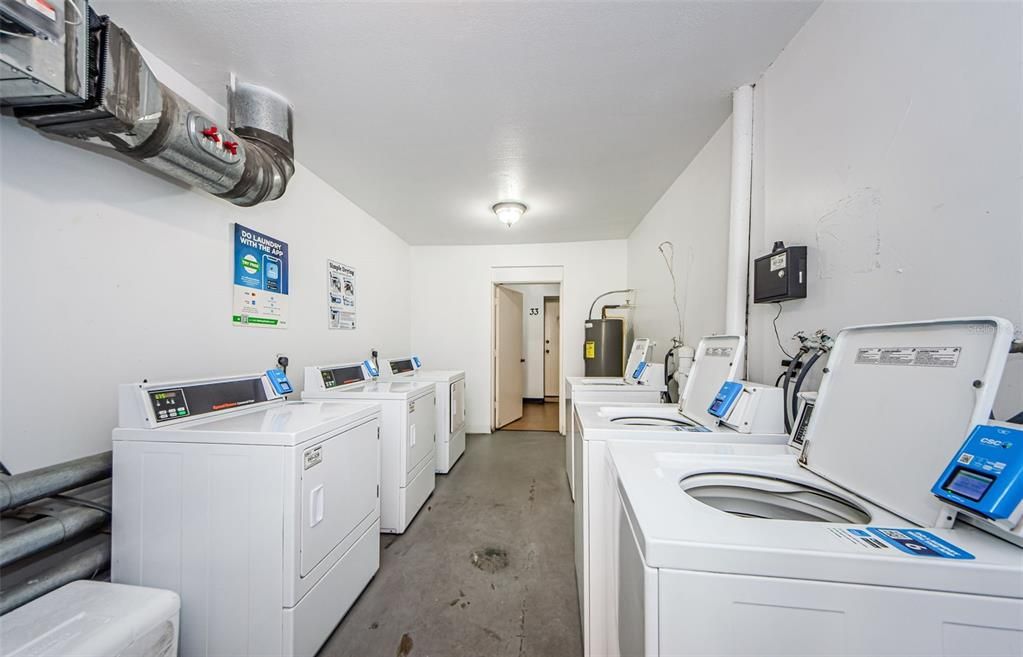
(527, 356)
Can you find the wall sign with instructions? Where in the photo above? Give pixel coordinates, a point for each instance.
(260, 279)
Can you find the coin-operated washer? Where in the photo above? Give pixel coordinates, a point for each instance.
(407, 433)
(715, 415)
(450, 389)
(834, 547)
(643, 383)
(262, 514)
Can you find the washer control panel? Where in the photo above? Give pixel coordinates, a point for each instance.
(985, 476)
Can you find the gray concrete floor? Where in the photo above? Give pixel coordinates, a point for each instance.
(443, 589)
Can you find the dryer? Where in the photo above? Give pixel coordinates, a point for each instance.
(643, 383)
(450, 389)
(834, 548)
(262, 514)
(690, 422)
(407, 432)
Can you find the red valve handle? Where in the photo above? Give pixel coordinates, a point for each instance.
(211, 133)
(231, 147)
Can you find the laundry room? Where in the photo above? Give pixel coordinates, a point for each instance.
(564, 329)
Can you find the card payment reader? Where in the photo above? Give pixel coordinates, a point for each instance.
(749, 407)
(279, 381)
(985, 478)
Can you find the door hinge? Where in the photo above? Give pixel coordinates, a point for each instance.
(378, 433)
(378, 491)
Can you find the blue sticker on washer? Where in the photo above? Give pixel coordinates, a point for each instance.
(917, 542)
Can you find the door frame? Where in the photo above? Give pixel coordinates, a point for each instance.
(525, 275)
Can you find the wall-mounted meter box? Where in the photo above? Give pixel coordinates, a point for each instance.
(780, 275)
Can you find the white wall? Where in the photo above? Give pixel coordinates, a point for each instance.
(693, 215)
(890, 141)
(533, 334)
(111, 275)
(451, 305)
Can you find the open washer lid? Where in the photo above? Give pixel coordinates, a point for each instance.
(896, 402)
(717, 359)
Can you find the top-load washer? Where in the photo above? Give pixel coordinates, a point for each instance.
(834, 548)
(643, 383)
(407, 433)
(262, 514)
(692, 422)
(450, 389)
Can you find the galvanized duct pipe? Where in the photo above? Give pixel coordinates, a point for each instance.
(132, 112)
(52, 530)
(34, 485)
(83, 565)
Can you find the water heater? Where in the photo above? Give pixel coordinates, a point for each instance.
(603, 350)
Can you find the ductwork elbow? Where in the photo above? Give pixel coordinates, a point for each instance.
(130, 111)
(264, 121)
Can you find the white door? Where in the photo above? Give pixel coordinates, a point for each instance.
(457, 420)
(508, 383)
(339, 489)
(551, 347)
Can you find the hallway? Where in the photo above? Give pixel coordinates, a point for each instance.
(485, 570)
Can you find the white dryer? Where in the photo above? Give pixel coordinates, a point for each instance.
(832, 549)
(407, 431)
(262, 514)
(450, 389)
(643, 383)
(690, 422)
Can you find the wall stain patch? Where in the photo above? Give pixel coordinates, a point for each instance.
(849, 236)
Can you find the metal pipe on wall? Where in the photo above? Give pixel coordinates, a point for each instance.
(34, 485)
(739, 212)
(83, 565)
(49, 531)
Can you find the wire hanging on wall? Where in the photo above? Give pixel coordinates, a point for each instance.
(669, 262)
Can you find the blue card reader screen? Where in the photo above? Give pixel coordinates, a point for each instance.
(971, 485)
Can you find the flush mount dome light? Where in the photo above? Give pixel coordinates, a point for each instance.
(508, 212)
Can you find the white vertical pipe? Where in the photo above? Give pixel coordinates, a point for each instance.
(739, 215)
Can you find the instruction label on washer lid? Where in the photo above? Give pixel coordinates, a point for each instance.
(719, 352)
(913, 356)
(913, 542)
(313, 457)
(779, 261)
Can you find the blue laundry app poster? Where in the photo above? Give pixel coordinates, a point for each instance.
(260, 279)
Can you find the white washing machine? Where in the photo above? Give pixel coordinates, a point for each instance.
(450, 389)
(690, 422)
(407, 432)
(833, 549)
(643, 383)
(262, 514)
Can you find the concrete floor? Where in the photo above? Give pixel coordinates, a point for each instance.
(443, 589)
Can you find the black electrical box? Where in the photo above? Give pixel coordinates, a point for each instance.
(780, 275)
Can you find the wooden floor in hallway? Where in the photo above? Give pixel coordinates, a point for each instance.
(536, 416)
(485, 570)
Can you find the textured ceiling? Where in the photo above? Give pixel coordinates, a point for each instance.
(425, 114)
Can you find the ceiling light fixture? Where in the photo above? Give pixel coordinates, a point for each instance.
(508, 212)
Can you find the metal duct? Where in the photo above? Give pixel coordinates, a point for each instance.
(83, 565)
(133, 113)
(49, 531)
(34, 485)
